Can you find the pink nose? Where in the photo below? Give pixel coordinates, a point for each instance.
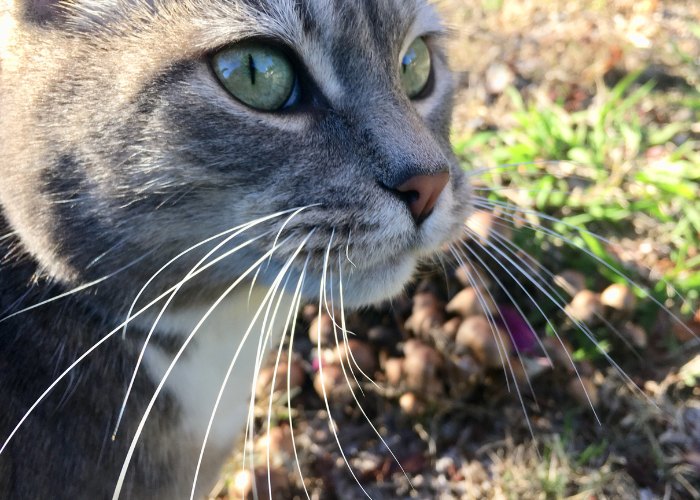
(421, 193)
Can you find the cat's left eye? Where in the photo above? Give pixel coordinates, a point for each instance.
(416, 68)
(258, 74)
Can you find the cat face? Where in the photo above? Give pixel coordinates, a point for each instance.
(123, 147)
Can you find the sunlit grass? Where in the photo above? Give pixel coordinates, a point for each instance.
(617, 166)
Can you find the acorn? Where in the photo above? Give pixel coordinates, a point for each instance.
(450, 328)
(411, 405)
(332, 378)
(583, 391)
(297, 377)
(427, 299)
(467, 366)
(686, 331)
(561, 355)
(326, 331)
(480, 224)
(425, 319)
(572, 282)
(635, 334)
(278, 440)
(585, 307)
(471, 301)
(469, 275)
(355, 353)
(484, 340)
(421, 365)
(393, 370)
(279, 479)
(619, 297)
(309, 312)
(242, 485)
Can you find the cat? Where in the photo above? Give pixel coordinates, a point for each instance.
(171, 172)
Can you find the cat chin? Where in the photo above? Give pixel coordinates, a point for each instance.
(367, 286)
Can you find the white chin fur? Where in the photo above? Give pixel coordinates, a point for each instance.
(364, 287)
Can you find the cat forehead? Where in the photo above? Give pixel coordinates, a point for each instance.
(295, 21)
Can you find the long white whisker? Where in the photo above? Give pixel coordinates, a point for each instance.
(139, 430)
(267, 300)
(533, 267)
(331, 422)
(76, 290)
(289, 387)
(342, 366)
(92, 349)
(347, 250)
(151, 332)
(344, 330)
(293, 310)
(265, 335)
(457, 253)
(77, 362)
(236, 230)
(502, 349)
(485, 203)
(230, 237)
(558, 337)
(580, 325)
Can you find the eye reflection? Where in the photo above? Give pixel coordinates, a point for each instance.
(257, 74)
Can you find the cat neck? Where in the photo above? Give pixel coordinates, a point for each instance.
(225, 340)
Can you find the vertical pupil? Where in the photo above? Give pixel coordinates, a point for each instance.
(251, 68)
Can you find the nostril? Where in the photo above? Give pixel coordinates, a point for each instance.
(408, 197)
(421, 193)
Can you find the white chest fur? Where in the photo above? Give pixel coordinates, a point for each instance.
(198, 376)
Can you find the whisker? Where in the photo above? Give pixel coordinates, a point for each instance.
(265, 335)
(342, 367)
(142, 423)
(230, 237)
(502, 350)
(232, 233)
(580, 325)
(344, 330)
(293, 311)
(484, 203)
(534, 268)
(77, 289)
(331, 421)
(77, 362)
(268, 300)
(289, 387)
(508, 328)
(347, 250)
(96, 346)
(160, 314)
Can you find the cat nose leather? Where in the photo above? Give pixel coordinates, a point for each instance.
(421, 193)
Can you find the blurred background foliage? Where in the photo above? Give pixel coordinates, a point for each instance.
(589, 111)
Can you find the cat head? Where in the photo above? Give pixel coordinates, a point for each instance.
(132, 130)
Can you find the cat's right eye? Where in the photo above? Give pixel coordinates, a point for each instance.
(258, 74)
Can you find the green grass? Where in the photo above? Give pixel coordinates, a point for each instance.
(618, 162)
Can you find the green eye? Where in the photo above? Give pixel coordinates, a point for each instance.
(415, 68)
(258, 75)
